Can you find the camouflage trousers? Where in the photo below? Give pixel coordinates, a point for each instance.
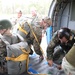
(67, 67)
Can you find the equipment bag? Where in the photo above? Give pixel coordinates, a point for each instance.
(17, 57)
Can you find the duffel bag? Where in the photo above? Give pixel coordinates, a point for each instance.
(17, 58)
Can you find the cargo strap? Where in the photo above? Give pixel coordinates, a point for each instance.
(22, 30)
(22, 57)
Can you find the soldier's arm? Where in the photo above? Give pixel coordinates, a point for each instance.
(51, 46)
(37, 47)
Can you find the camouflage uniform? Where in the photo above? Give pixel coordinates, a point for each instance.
(38, 33)
(29, 37)
(35, 19)
(11, 38)
(56, 42)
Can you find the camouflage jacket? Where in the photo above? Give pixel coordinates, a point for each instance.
(35, 19)
(11, 39)
(34, 35)
(31, 33)
(55, 42)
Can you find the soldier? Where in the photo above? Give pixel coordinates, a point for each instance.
(33, 35)
(35, 17)
(47, 24)
(7, 40)
(5, 31)
(64, 38)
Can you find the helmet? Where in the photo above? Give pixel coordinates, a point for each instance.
(5, 24)
(64, 32)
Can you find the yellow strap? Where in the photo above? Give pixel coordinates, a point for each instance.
(21, 57)
(22, 30)
(24, 51)
(35, 38)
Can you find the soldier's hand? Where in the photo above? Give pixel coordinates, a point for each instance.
(50, 62)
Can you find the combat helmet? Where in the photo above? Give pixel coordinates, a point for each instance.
(5, 24)
(64, 32)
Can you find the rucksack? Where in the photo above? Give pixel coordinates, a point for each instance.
(17, 57)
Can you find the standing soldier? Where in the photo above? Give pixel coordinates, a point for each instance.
(47, 24)
(18, 19)
(33, 35)
(35, 17)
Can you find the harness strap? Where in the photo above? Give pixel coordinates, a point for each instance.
(22, 30)
(35, 38)
(22, 57)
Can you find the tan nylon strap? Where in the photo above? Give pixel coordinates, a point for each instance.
(35, 37)
(22, 57)
(22, 30)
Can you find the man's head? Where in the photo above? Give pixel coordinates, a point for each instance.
(46, 22)
(19, 13)
(64, 35)
(33, 11)
(5, 25)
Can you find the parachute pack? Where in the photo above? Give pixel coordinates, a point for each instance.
(17, 57)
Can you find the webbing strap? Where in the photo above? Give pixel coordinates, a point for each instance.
(27, 60)
(22, 30)
(35, 37)
(22, 57)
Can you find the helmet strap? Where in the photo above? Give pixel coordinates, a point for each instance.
(4, 31)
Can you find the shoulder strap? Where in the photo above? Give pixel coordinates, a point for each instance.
(4, 40)
(20, 37)
(35, 38)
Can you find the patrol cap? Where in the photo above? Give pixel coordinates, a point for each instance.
(64, 32)
(5, 24)
(47, 20)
